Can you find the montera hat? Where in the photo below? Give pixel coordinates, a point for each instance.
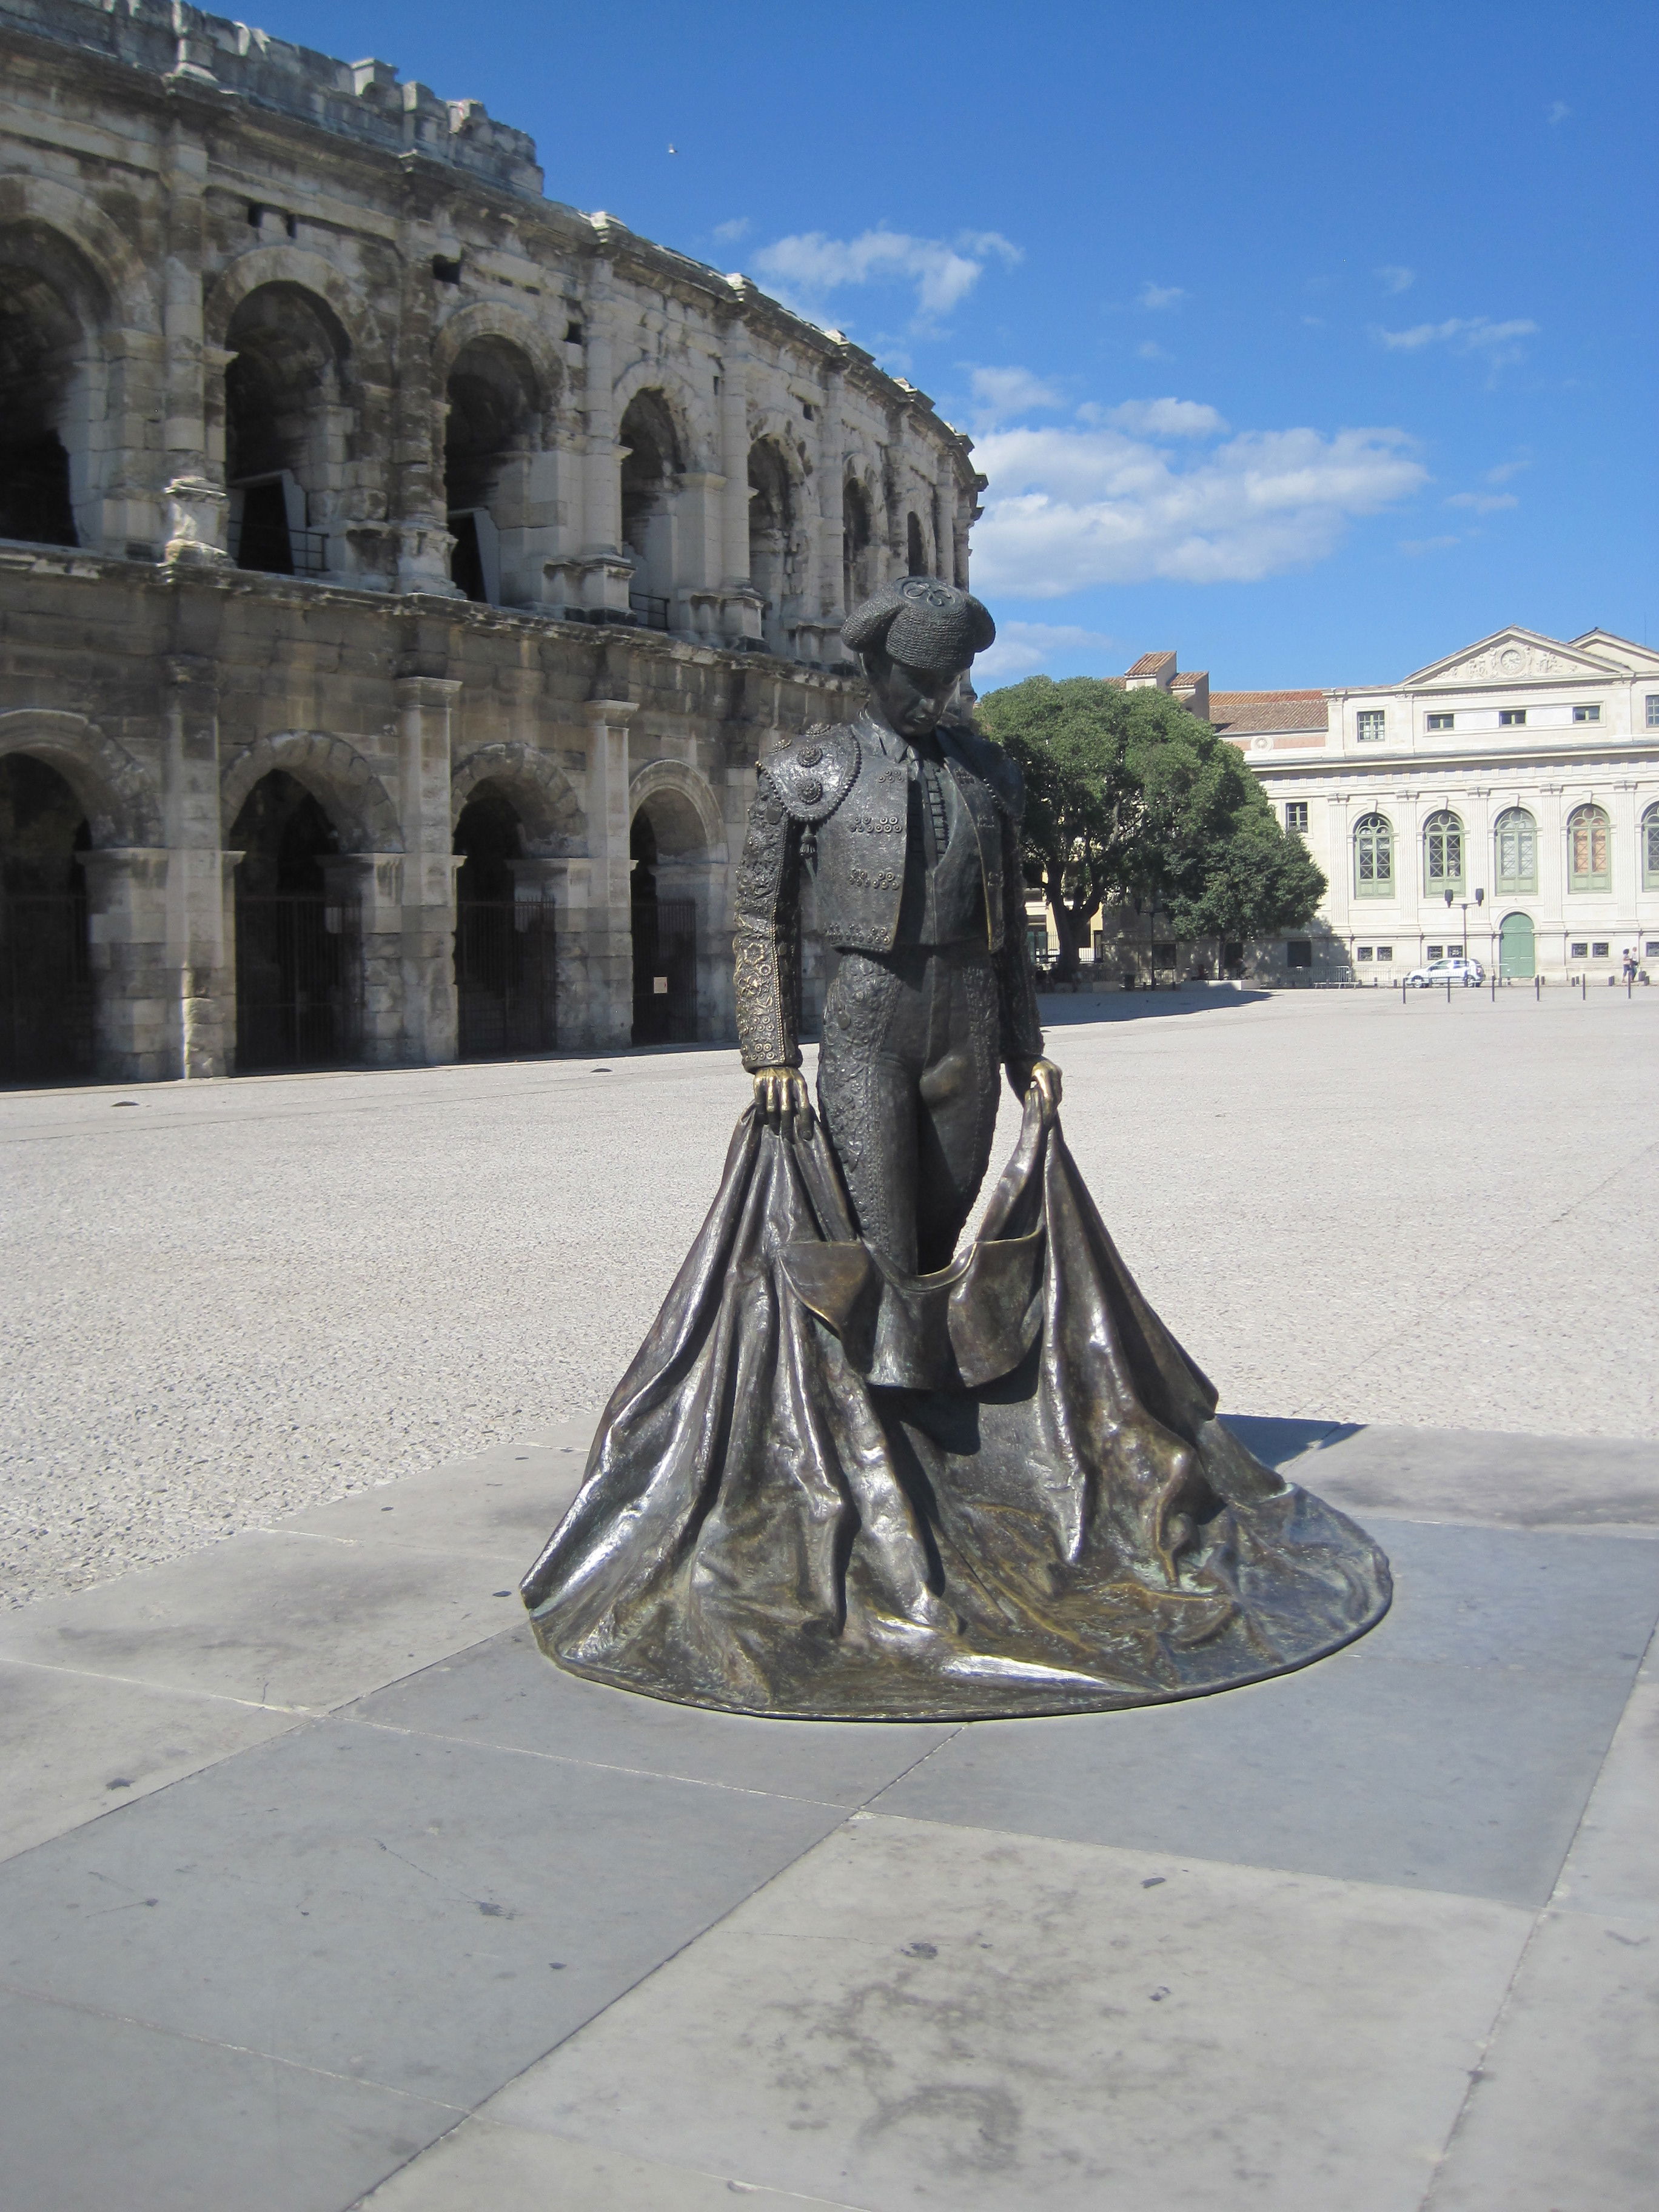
(925, 624)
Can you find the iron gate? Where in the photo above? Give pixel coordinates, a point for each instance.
(298, 980)
(665, 971)
(505, 978)
(46, 986)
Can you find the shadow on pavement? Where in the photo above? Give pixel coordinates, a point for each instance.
(1276, 1442)
(1065, 1009)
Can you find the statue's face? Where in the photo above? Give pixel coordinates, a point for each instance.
(912, 701)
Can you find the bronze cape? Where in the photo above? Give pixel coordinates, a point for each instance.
(827, 1490)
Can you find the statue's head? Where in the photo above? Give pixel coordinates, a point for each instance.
(915, 640)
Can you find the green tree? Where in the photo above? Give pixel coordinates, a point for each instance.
(1132, 801)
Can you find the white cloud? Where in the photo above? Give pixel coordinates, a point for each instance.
(1468, 334)
(1505, 469)
(1159, 418)
(1482, 502)
(1011, 391)
(1072, 507)
(1492, 342)
(1394, 279)
(1149, 349)
(1161, 295)
(727, 232)
(1558, 112)
(1419, 546)
(1024, 649)
(806, 268)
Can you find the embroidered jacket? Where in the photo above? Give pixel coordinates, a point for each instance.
(845, 790)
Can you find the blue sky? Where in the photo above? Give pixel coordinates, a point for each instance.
(1313, 343)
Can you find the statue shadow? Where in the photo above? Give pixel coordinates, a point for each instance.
(1068, 1010)
(1276, 1440)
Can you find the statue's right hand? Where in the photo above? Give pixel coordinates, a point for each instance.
(778, 1091)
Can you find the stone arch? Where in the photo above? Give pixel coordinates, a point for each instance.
(126, 281)
(684, 811)
(554, 827)
(495, 319)
(306, 271)
(123, 805)
(333, 770)
(686, 408)
(63, 377)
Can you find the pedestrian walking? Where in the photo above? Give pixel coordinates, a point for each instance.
(1628, 974)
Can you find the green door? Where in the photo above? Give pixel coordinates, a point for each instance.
(1514, 948)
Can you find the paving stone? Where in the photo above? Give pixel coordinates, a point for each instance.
(502, 1505)
(480, 2165)
(103, 2111)
(1613, 1864)
(1563, 2116)
(506, 1694)
(1483, 1477)
(76, 1746)
(299, 1621)
(917, 2016)
(1453, 1748)
(427, 1915)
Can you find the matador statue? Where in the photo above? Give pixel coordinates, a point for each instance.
(865, 1468)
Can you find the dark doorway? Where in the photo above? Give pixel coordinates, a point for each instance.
(916, 550)
(299, 967)
(505, 975)
(665, 951)
(46, 976)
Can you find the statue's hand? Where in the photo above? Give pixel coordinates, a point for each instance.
(1042, 1077)
(779, 1091)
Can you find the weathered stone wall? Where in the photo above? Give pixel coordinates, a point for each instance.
(570, 517)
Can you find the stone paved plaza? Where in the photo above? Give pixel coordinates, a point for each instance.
(225, 1301)
(319, 1888)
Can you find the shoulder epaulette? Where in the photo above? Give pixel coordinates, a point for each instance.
(814, 771)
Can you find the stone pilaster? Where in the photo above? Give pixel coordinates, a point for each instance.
(195, 502)
(608, 951)
(425, 707)
(198, 949)
(136, 1009)
(742, 608)
(424, 544)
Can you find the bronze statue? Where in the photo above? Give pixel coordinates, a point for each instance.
(850, 1475)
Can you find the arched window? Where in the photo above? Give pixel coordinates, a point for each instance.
(286, 431)
(1373, 858)
(489, 431)
(857, 576)
(39, 349)
(1651, 849)
(650, 477)
(1515, 840)
(1590, 862)
(916, 547)
(1442, 853)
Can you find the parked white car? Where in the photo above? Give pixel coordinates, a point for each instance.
(1455, 970)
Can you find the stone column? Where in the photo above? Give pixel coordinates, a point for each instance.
(700, 550)
(194, 514)
(742, 610)
(425, 707)
(198, 946)
(424, 544)
(136, 994)
(608, 948)
(831, 522)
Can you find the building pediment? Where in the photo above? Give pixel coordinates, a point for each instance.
(1623, 652)
(1514, 656)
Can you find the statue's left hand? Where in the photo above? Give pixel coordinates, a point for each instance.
(780, 1092)
(1044, 1078)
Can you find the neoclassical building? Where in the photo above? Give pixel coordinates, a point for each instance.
(401, 571)
(1505, 797)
